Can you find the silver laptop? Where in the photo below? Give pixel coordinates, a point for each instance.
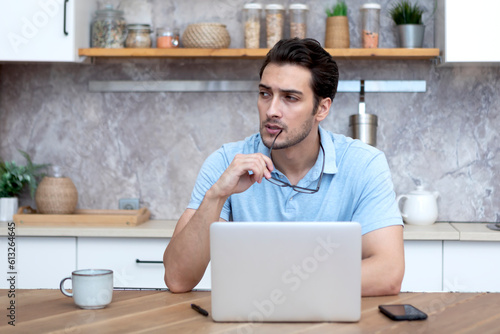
(286, 271)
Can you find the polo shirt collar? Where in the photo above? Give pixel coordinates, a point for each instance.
(329, 146)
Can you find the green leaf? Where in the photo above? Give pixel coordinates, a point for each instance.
(339, 9)
(404, 12)
(13, 178)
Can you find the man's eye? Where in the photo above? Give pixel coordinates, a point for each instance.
(263, 94)
(291, 98)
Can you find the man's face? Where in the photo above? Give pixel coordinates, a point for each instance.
(286, 102)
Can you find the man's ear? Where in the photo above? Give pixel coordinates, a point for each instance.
(323, 109)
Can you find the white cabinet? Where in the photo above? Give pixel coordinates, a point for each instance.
(45, 30)
(423, 266)
(121, 255)
(41, 262)
(471, 266)
(467, 33)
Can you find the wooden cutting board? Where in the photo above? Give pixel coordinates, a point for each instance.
(26, 216)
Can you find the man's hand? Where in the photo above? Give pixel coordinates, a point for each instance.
(237, 178)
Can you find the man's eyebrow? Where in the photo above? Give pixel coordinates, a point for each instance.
(288, 91)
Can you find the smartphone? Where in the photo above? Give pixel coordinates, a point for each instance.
(402, 312)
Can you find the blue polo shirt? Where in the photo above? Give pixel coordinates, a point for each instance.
(356, 186)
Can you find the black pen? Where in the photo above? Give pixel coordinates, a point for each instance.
(199, 310)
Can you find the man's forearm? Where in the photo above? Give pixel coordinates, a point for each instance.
(380, 280)
(188, 252)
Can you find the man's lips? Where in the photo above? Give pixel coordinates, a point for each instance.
(273, 129)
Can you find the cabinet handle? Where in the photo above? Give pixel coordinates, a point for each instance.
(141, 261)
(64, 23)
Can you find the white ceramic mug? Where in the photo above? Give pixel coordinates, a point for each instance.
(92, 288)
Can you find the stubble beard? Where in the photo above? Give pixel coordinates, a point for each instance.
(292, 139)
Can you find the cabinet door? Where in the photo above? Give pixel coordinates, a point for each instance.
(471, 266)
(467, 33)
(423, 266)
(44, 30)
(41, 262)
(120, 255)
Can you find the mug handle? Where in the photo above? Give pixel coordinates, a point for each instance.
(63, 290)
(398, 199)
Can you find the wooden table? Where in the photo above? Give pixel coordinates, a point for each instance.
(43, 311)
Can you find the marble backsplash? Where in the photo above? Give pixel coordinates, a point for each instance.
(151, 145)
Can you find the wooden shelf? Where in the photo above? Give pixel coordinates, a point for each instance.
(394, 54)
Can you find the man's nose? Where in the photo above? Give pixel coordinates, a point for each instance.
(274, 110)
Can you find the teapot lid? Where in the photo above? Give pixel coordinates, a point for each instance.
(420, 191)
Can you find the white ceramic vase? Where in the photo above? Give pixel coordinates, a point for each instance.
(8, 207)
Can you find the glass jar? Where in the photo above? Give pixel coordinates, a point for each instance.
(108, 28)
(138, 36)
(251, 17)
(167, 38)
(370, 25)
(275, 16)
(298, 20)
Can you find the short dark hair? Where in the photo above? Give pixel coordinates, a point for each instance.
(310, 54)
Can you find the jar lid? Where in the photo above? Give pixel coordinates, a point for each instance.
(275, 6)
(109, 11)
(299, 6)
(252, 6)
(167, 31)
(139, 27)
(371, 6)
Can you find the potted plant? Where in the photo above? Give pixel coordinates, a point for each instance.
(13, 179)
(408, 19)
(337, 26)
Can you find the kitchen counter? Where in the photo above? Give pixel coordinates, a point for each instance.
(165, 229)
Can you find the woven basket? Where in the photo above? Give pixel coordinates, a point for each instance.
(206, 35)
(56, 195)
(337, 32)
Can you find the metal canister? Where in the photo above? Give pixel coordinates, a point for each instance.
(364, 128)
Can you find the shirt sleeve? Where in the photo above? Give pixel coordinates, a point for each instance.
(376, 205)
(210, 172)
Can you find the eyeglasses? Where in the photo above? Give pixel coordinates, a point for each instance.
(296, 188)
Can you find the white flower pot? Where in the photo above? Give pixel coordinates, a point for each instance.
(8, 207)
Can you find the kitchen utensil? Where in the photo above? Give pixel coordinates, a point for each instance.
(364, 126)
(419, 206)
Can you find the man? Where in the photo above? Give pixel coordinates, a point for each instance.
(293, 170)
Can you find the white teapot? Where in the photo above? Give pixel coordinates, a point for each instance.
(419, 207)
